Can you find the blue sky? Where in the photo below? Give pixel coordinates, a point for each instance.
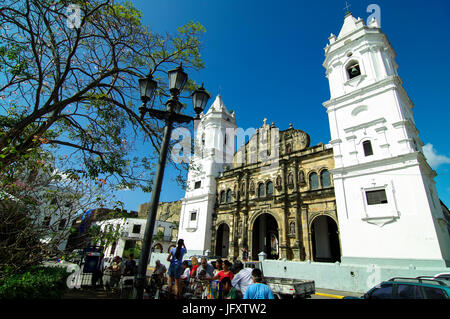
(266, 59)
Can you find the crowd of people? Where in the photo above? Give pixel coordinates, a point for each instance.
(234, 281)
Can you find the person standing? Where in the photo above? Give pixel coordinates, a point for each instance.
(242, 277)
(98, 272)
(130, 266)
(218, 266)
(195, 265)
(244, 254)
(258, 290)
(175, 269)
(158, 274)
(116, 272)
(226, 272)
(205, 271)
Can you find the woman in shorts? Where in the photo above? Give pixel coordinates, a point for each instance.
(175, 269)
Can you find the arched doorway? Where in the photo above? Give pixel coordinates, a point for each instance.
(325, 240)
(265, 237)
(222, 240)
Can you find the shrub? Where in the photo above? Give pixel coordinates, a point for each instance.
(35, 283)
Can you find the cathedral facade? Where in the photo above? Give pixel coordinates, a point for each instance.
(286, 210)
(367, 197)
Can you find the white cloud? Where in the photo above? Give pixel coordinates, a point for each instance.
(434, 159)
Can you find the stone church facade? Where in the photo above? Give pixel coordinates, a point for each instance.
(282, 210)
(368, 197)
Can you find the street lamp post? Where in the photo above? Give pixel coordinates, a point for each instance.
(147, 86)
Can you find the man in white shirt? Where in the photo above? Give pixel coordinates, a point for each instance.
(186, 271)
(242, 277)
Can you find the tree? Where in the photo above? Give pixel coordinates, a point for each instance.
(69, 72)
(37, 206)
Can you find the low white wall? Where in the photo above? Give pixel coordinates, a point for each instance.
(345, 277)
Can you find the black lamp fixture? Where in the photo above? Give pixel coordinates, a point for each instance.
(199, 99)
(177, 80)
(147, 88)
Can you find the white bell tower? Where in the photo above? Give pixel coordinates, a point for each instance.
(388, 208)
(214, 149)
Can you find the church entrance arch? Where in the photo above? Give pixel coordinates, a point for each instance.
(265, 237)
(223, 240)
(325, 239)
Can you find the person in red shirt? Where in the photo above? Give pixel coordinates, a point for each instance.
(226, 272)
(195, 265)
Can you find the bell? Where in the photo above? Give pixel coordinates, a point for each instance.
(354, 71)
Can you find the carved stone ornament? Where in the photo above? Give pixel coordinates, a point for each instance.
(301, 177)
(290, 180)
(252, 188)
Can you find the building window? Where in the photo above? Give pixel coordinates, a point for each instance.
(229, 194)
(353, 69)
(367, 146)
(269, 187)
(193, 216)
(198, 184)
(376, 197)
(136, 229)
(222, 197)
(313, 181)
(325, 179)
(261, 190)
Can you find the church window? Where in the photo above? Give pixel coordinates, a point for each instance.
(269, 187)
(353, 69)
(193, 216)
(325, 179)
(222, 197)
(367, 146)
(314, 181)
(229, 196)
(198, 184)
(261, 190)
(376, 197)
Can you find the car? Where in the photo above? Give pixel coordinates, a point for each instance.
(445, 276)
(422, 287)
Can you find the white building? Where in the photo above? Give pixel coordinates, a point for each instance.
(387, 204)
(213, 132)
(132, 233)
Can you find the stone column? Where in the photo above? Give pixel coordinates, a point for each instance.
(283, 233)
(306, 233)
